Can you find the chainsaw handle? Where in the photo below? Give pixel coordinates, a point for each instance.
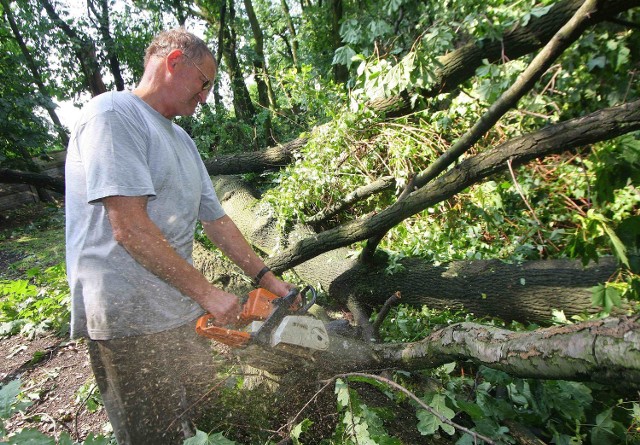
(290, 299)
(307, 302)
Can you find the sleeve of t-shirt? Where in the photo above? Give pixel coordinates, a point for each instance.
(113, 154)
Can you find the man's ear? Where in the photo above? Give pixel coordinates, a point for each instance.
(173, 58)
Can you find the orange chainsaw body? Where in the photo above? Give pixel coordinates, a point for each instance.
(257, 308)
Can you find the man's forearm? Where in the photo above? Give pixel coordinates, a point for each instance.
(145, 242)
(224, 233)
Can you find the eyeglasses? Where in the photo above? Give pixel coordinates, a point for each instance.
(206, 85)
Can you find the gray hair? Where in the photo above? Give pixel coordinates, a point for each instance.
(178, 38)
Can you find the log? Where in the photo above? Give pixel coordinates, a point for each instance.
(605, 351)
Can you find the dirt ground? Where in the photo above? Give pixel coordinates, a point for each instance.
(52, 370)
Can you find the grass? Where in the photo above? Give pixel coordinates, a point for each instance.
(31, 237)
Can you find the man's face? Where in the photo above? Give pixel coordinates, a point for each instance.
(196, 78)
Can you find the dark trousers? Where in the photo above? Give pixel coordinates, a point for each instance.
(151, 384)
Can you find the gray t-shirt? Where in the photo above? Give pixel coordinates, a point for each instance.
(122, 146)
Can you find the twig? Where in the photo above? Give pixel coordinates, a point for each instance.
(521, 193)
(313, 398)
(82, 404)
(393, 299)
(361, 193)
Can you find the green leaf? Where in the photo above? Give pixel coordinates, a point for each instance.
(605, 297)
(618, 247)
(607, 431)
(31, 437)
(342, 393)
(343, 56)
(202, 438)
(428, 423)
(8, 399)
(597, 62)
(299, 429)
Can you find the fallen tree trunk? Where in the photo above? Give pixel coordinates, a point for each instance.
(323, 258)
(605, 351)
(523, 292)
(598, 126)
(8, 176)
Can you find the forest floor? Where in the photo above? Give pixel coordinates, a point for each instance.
(54, 371)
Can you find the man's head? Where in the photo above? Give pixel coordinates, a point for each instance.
(178, 38)
(179, 72)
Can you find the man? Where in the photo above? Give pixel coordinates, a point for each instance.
(136, 186)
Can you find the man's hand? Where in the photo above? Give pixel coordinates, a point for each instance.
(224, 307)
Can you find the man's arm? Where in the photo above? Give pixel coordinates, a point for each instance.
(144, 241)
(224, 233)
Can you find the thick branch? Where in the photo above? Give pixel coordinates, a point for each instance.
(254, 162)
(456, 67)
(602, 125)
(523, 84)
(605, 351)
(461, 64)
(524, 292)
(360, 194)
(36, 179)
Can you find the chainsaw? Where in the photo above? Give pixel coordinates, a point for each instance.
(268, 320)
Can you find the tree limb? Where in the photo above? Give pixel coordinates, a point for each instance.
(361, 193)
(568, 34)
(598, 126)
(456, 67)
(525, 292)
(605, 351)
(8, 176)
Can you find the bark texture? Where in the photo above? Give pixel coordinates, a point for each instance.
(8, 176)
(605, 351)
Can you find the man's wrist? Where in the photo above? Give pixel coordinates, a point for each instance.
(265, 270)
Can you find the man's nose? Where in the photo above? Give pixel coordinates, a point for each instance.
(202, 96)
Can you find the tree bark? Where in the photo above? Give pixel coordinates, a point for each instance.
(292, 31)
(605, 351)
(242, 103)
(84, 50)
(266, 98)
(254, 162)
(8, 176)
(102, 15)
(340, 72)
